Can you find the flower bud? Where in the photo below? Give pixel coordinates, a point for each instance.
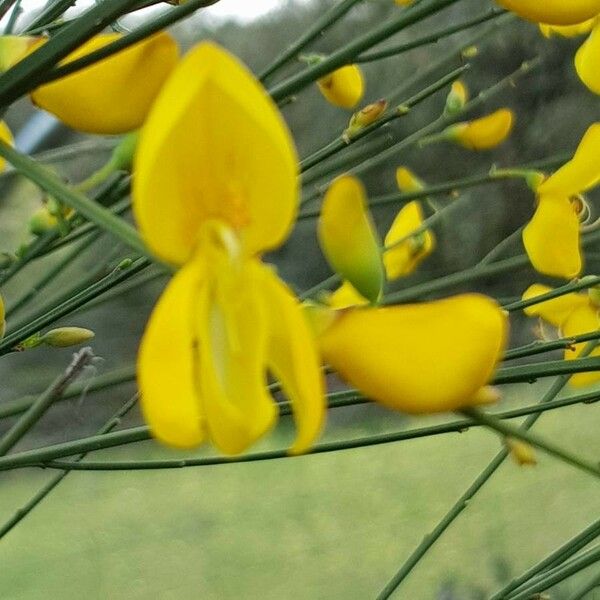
(470, 52)
(42, 221)
(522, 453)
(484, 133)
(67, 336)
(407, 181)
(404, 2)
(344, 87)
(2, 321)
(457, 98)
(364, 117)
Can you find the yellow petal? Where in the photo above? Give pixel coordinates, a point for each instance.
(552, 239)
(14, 48)
(419, 358)
(214, 147)
(407, 181)
(5, 136)
(345, 296)
(568, 31)
(587, 61)
(345, 87)
(401, 259)
(165, 365)
(349, 239)
(404, 2)
(582, 320)
(233, 335)
(294, 360)
(554, 12)
(555, 311)
(484, 133)
(582, 172)
(114, 95)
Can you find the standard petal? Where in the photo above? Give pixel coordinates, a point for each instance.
(552, 239)
(553, 311)
(5, 136)
(587, 59)
(114, 95)
(582, 320)
(214, 147)
(553, 12)
(345, 87)
(233, 335)
(166, 363)
(419, 358)
(401, 258)
(582, 172)
(293, 358)
(349, 239)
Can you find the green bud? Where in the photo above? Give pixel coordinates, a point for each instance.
(67, 336)
(42, 221)
(122, 156)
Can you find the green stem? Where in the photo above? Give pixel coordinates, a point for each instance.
(549, 447)
(53, 11)
(42, 404)
(99, 382)
(538, 347)
(348, 53)
(320, 26)
(429, 39)
(586, 588)
(92, 211)
(499, 249)
(463, 501)
(35, 500)
(12, 340)
(41, 456)
(582, 539)
(400, 111)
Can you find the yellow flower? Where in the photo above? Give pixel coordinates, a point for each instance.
(484, 133)
(553, 12)
(345, 87)
(552, 237)
(568, 31)
(349, 239)
(114, 95)
(404, 2)
(388, 354)
(215, 187)
(574, 314)
(5, 136)
(457, 98)
(14, 48)
(587, 61)
(401, 258)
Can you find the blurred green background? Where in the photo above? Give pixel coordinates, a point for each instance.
(334, 525)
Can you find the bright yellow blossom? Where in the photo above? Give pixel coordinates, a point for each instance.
(396, 364)
(115, 94)
(216, 186)
(553, 12)
(345, 87)
(574, 314)
(587, 61)
(552, 237)
(349, 239)
(483, 133)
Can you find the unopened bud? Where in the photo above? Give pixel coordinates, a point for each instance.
(486, 395)
(67, 336)
(42, 221)
(344, 87)
(522, 453)
(407, 181)
(457, 98)
(364, 117)
(470, 52)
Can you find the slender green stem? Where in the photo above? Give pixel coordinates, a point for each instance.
(92, 211)
(586, 588)
(348, 53)
(314, 31)
(53, 11)
(463, 501)
(35, 500)
(15, 13)
(533, 439)
(41, 456)
(499, 249)
(429, 39)
(147, 29)
(400, 111)
(51, 275)
(558, 556)
(45, 400)
(12, 340)
(99, 382)
(571, 567)
(539, 347)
